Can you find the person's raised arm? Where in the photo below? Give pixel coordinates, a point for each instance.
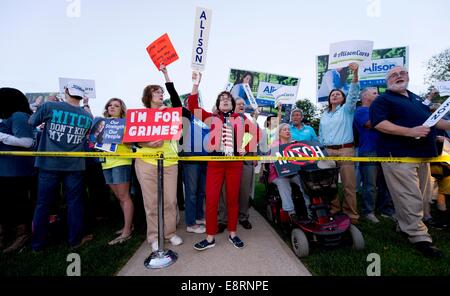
(163, 69)
(193, 98)
(174, 97)
(353, 93)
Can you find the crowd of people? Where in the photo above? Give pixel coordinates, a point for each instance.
(216, 194)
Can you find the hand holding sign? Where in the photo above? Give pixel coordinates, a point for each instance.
(162, 51)
(196, 77)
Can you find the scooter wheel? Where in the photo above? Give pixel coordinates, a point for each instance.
(300, 243)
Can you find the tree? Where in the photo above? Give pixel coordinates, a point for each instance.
(438, 68)
(310, 113)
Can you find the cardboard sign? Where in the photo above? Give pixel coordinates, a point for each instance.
(345, 52)
(250, 96)
(443, 87)
(285, 95)
(145, 125)
(297, 149)
(162, 51)
(201, 37)
(438, 114)
(87, 84)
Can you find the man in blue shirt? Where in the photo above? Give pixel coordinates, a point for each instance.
(66, 126)
(399, 115)
(300, 131)
(371, 174)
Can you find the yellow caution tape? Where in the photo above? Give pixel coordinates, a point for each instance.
(160, 155)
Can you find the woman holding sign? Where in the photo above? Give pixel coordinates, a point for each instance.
(117, 172)
(227, 131)
(147, 173)
(336, 133)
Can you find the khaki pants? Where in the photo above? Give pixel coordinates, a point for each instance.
(409, 186)
(347, 172)
(147, 175)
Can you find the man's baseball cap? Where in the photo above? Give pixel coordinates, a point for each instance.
(75, 89)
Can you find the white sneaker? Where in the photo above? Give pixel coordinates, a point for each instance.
(392, 217)
(371, 217)
(200, 222)
(176, 240)
(154, 246)
(196, 229)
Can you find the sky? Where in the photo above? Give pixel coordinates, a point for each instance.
(106, 40)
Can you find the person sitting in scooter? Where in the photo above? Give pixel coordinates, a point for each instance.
(283, 183)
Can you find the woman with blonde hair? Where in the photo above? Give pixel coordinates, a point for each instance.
(117, 172)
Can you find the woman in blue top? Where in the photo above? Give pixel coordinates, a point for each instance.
(336, 134)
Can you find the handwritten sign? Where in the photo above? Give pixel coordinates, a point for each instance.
(144, 125)
(87, 84)
(345, 52)
(162, 51)
(201, 37)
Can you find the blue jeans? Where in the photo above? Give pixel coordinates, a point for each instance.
(48, 185)
(374, 191)
(194, 177)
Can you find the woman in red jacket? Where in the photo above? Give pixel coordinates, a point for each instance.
(226, 135)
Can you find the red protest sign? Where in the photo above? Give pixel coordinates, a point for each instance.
(144, 125)
(162, 51)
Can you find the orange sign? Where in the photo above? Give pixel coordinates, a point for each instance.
(162, 51)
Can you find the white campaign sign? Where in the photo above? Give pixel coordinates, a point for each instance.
(87, 84)
(285, 95)
(378, 69)
(201, 36)
(250, 96)
(443, 87)
(438, 114)
(346, 52)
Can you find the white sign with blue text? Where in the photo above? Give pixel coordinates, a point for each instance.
(346, 52)
(87, 84)
(285, 95)
(250, 96)
(201, 36)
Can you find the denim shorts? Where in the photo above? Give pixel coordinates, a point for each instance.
(118, 175)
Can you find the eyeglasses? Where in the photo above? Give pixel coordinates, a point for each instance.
(225, 99)
(159, 91)
(398, 74)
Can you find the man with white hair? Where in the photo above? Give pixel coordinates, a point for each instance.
(399, 114)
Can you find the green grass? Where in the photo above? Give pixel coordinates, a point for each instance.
(396, 254)
(97, 257)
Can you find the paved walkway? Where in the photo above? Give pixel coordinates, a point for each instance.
(265, 254)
